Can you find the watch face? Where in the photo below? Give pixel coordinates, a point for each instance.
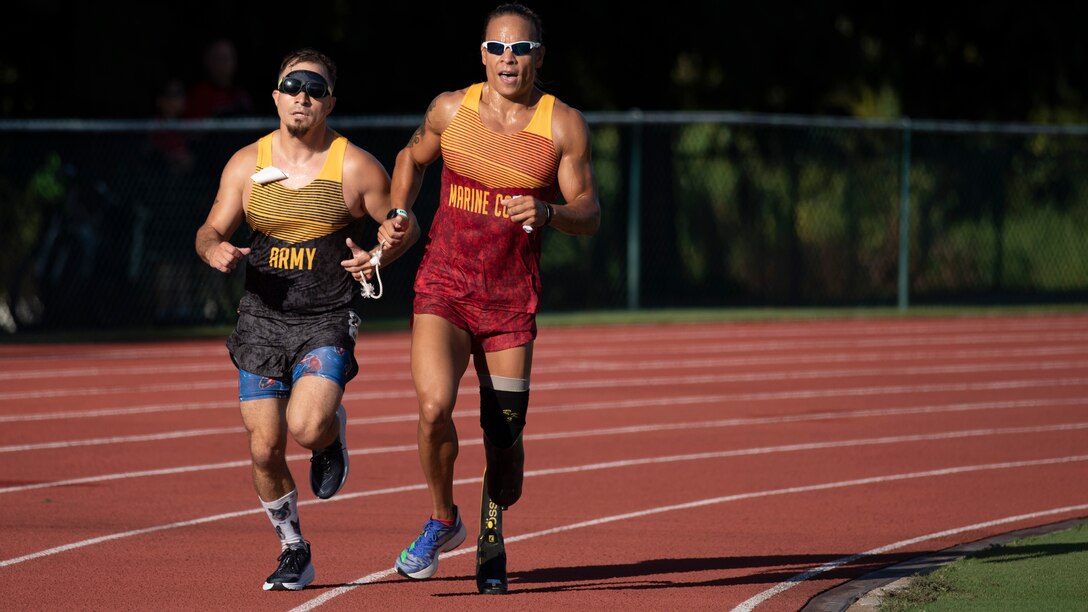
(395, 212)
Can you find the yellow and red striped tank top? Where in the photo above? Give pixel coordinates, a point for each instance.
(475, 253)
(299, 238)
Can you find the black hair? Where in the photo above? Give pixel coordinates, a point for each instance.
(310, 55)
(514, 8)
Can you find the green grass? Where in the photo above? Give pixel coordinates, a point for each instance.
(680, 315)
(604, 317)
(1047, 572)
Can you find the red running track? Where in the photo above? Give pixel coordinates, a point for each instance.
(695, 466)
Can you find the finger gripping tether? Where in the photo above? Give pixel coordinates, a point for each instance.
(368, 289)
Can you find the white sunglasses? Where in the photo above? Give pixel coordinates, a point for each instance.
(521, 47)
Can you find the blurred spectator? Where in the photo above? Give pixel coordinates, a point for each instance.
(171, 146)
(217, 95)
(168, 201)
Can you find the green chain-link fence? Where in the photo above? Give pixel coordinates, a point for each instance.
(699, 210)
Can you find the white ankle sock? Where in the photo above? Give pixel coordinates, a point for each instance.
(284, 516)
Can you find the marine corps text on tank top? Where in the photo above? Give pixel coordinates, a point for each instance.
(475, 253)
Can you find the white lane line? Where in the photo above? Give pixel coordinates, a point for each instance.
(562, 435)
(882, 328)
(128, 370)
(211, 519)
(185, 469)
(73, 353)
(567, 470)
(808, 331)
(118, 389)
(170, 435)
(372, 577)
(793, 581)
(682, 400)
(672, 401)
(650, 381)
(544, 366)
(968, 368)
(467, 391)
(104, 412)
(168, 350)
(580, 434)
(743, 607)
(599, 364)
(595, 334)
(181, 406)
(126, 475)
(699, 342)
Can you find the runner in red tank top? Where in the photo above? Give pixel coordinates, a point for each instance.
(508, 150)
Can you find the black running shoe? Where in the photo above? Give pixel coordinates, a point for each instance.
(329, 466)
(295, 570)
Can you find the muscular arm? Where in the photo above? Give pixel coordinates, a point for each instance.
(422, 149)
(582, 212)
(212, 238)
(366, 189)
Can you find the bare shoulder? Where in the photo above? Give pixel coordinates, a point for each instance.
(242, 163)
(365, 180)
(443, 108)
(569, 127)
(357, 159)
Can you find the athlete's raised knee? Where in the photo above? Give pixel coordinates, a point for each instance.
(314, 431)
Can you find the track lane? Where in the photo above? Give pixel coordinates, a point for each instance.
(731, 368)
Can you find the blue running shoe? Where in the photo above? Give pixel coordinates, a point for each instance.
(420, 560)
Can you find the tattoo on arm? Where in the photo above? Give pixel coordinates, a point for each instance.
(418, 135)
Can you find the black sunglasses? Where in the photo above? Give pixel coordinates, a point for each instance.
(522, 47)
(314, 84)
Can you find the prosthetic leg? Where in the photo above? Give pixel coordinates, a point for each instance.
(502, 418)
(490, 551)
(505, 472)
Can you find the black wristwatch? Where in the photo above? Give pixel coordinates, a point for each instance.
(395, 212)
